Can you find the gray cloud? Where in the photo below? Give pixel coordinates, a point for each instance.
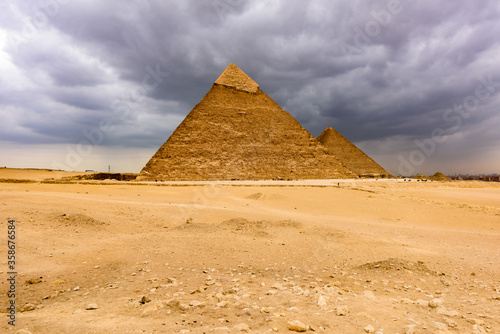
(376, 76)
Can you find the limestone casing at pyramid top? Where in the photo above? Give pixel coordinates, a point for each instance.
(235, 78)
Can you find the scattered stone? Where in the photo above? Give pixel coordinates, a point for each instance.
(451, 323)
(342, 310)
(223, 303)
(241, 304)
(475, 321)
(245, 311)
(91, 306)
(322, 301)
(54, 295)
(476, 329)
(28, 307)
(369, 329)
(410, 329)
(76, 288)
(152, 308)
(34, 280)
(23, 331)
(242, 327)
(144, 300)
(196, 303)
(435, 303)
(449, 313)
(368, 294)
(297, 326)
(175, 304)
(421, 302)
(439, 325)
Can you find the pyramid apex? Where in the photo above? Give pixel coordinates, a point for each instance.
(235, 78)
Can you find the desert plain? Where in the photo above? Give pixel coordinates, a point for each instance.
(320, 256)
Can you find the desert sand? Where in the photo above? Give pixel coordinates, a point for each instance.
(368, 256)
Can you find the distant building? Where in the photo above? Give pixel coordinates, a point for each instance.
(480, 177)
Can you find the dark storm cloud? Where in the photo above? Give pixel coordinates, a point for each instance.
(375, 70)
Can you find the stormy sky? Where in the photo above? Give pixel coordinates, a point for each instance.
(414, 83)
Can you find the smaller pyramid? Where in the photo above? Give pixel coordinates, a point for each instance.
(440, 177)
(235, 78)
(351, 156)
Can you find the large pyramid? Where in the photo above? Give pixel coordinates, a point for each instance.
(238, 132)
(355, 159)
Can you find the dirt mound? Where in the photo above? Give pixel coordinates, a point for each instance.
(256, 196)
(241, 224)
(395, 264)
(421, 177)
(262, 196)
(440, 177)
(261, 228)
(79, 219)
(238, 225)
(16, 181)
(190, 226)
(326, 233)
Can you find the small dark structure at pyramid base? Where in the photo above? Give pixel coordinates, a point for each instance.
(236, 132)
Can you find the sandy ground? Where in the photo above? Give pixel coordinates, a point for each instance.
(365, 257)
